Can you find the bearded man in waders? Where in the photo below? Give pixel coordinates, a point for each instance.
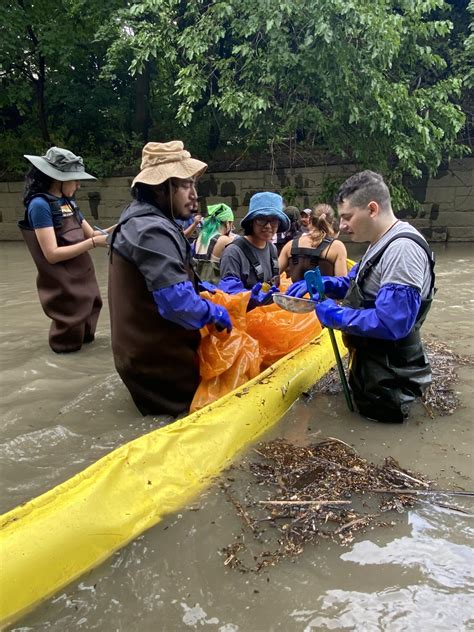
(155, 310)
(386, 298)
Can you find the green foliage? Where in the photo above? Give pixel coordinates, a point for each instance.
(381, 83)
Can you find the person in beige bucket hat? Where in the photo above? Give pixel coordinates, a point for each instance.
(59, 238)
(161, 161)
(155, 309)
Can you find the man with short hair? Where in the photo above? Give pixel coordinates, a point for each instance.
(155, 310)
(386, 298)
(305, 219)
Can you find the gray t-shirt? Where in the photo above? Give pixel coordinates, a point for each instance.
(403, 263)
(155, 244)
(234, 263)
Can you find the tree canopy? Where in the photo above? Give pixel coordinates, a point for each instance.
(383, 83)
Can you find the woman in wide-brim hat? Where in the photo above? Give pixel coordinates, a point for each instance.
(59, 238)
(252, 260)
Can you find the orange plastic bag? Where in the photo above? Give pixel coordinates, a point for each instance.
(258, 339)
(279, 332)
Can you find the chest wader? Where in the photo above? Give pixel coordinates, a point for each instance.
(207, 269)
(387, 376)
(304, 259)
(255, 264)
(156, 359)
(67, 290)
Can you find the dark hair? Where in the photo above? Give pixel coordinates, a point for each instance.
(144, 193)
(362, 188)
(147, 192)
(35, 182)
(248, 228)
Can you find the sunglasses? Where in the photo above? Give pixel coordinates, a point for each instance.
(263, 221)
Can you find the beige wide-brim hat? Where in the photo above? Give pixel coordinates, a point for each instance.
(161, 161)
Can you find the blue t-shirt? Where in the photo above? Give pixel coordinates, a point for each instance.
(184, 223)
(40, 215)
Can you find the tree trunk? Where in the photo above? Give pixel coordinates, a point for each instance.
(141, 118)
(39, 87)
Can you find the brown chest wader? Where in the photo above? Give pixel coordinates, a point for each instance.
(304, 259)
(387, 376)
(67, 290)
(156, 359)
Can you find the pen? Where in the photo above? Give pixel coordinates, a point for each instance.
(101, 230)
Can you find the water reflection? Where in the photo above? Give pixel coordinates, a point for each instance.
(62, 413)
(430, 548)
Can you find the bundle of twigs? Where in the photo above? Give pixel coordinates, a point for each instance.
(321, 491)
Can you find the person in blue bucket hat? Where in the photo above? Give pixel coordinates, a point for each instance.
(252, 260)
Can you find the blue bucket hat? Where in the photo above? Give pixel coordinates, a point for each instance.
(266, 204)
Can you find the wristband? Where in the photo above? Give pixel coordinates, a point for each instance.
(93, 242)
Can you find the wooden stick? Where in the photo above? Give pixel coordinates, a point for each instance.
(304, 502)
(411, 478)
(352, 523)
(420, 491)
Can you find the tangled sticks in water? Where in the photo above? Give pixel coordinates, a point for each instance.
(321, 491)
(440, 398)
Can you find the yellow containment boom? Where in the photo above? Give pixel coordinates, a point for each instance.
(55, 538)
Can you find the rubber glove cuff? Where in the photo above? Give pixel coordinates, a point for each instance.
(220, 317)
(231, 285)
(330, 314)
(206, 286)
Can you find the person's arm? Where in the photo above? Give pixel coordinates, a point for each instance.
(54, 253)
(180, 304)
(192, 227)
(89, 231)
(392, 318)
(221, 243)
(284, 257)
(338, 256)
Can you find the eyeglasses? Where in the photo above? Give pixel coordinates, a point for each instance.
(263, 221)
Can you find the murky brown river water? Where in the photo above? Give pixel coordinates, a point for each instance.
(62, 412)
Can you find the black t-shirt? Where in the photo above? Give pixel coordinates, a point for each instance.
(234, 263)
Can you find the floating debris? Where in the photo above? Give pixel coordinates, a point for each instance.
(303, 494)
(440, 398)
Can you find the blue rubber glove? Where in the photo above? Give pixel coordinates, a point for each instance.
(330, 314)
(259, 298)
(220, 317)
(297, 289)
(392, 318)
(180, 304)
(336, 287)
(231, 285)
(206, 286)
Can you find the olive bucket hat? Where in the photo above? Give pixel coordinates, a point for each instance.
(60, 164)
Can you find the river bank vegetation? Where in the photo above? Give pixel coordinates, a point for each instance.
(385, 84)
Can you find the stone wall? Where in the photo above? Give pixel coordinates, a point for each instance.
(447, 201)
